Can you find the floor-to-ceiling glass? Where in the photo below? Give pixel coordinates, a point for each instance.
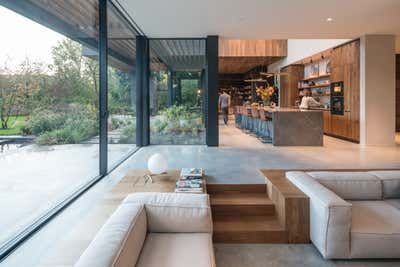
(50, 109)
(177, 91)
(49, 82)
(121, 39)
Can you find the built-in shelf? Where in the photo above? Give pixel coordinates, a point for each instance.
(317, 77)
(322, 95)
(315, 86)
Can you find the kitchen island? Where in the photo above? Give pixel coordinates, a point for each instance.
(283, 126)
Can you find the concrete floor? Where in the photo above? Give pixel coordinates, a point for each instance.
(237, 160)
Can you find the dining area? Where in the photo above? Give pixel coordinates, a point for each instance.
(281, 126)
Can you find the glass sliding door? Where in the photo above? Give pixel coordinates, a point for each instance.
(121, 86)
(49, 109)
(177, 91)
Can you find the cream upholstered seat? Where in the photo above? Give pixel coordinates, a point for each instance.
(375, 230)
(178, 250)
(353, 214)
(155, 229)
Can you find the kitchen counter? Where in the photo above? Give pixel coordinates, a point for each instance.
(293, 126)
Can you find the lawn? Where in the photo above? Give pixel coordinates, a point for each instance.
(15, 125)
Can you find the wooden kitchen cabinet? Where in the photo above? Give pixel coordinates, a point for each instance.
(345, 61)
(289, 91)
(327, 122)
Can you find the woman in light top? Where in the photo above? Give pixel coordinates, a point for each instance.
(308, 101)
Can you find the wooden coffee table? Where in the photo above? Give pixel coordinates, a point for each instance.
(134, 181)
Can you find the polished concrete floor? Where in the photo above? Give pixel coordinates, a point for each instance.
(237, 160)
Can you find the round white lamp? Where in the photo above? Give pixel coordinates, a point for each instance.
(156, 164)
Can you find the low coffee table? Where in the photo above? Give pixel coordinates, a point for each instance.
(134, 181)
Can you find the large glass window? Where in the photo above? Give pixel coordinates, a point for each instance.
(49, 84)
(177, 91)
(49, 104)
(121, 86)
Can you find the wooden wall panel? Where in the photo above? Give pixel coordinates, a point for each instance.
(345, 62)
(252, 48)
(289, 92)
(398, 93)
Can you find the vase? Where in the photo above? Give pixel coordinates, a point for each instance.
(267, 102)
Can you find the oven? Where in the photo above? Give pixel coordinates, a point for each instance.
(337, 98)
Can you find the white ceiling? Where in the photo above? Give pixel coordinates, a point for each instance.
(265, 19)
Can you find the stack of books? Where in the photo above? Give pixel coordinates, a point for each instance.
(190, 181)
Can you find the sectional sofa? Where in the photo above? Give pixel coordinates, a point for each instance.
(353, 214)
(155, 229)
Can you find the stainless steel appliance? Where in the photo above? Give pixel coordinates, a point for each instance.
(337, 98)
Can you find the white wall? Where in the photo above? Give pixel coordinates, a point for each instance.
(377, 90)
(302, 48)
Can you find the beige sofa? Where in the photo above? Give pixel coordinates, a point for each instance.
(155, 229)
(353, 214)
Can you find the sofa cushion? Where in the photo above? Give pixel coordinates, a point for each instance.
(175, 212)
(119, 241)
(390, 181)
(330, 216)
(351, 185)
(177, 250)
(375, 230)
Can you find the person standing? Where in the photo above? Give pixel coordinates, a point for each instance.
(224, 102)
(308, 101)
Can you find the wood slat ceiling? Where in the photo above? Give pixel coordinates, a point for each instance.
(180, 54)
(243, 64)
(78, 20)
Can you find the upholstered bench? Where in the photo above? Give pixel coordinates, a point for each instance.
(155, 229)
(353, 214)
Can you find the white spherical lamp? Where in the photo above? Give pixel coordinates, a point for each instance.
(157, 164)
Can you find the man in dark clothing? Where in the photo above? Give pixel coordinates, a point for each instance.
(224, 102)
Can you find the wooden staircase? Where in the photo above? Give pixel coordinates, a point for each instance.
(274, 212)
(244, 214)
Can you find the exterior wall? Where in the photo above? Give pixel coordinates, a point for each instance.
(377, 90)
(301, 48)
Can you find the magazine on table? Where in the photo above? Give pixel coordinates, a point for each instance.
(191, 172)
(191, 177)
(189, 184)
(188, 190)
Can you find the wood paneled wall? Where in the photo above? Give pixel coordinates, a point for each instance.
(252, 48)
(398, 93)
(289, 85)
(345, 64)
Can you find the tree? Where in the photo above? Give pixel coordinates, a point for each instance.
(75, 76)
(17, 88)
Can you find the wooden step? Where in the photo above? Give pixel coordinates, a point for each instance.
(236, 188)
(241, 204)
(248, 229)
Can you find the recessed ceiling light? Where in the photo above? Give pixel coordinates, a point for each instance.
(329, 19)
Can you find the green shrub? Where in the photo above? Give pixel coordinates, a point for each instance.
(177, 120)
(115, 123)
(43, 121)
(158, 125)
(128, 134)
(71, 125)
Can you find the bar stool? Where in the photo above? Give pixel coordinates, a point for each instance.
(265, 134)
(246, 121)
(238, 116)
(255, 123)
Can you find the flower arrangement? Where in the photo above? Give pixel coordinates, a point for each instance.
(265, 93)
